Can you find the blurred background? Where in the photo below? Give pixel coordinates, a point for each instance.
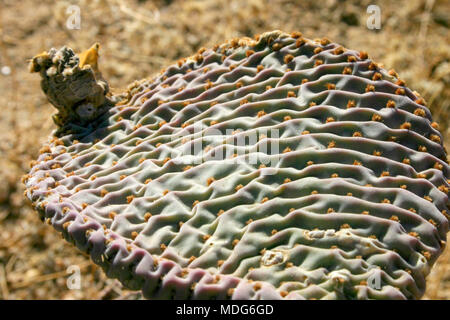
(137, 39)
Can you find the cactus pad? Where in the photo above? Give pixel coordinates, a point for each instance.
(340, 190)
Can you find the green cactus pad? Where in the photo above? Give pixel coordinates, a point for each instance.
(266, 168)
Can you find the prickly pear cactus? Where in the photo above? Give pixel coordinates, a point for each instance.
(339, 190)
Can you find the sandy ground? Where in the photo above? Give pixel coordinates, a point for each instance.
(138, 38)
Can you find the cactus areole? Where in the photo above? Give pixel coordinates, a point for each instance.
(266, 168)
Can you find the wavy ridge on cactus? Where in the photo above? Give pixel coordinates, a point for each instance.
(352, 205)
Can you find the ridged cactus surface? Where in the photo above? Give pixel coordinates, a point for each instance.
(340, 190)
